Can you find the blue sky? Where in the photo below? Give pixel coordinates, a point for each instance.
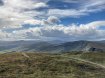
(84, 19)
(52, 19)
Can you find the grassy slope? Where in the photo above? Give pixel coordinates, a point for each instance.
(42, 65)
(97, 57)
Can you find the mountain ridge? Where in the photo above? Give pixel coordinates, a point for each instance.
(50, 46)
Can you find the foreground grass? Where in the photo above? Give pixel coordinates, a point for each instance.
(43, 65)
(97, 57)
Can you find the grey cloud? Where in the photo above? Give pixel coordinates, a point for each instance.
(1, 3)
(51, 20)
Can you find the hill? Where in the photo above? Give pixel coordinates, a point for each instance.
(51, 46)
(44, 65)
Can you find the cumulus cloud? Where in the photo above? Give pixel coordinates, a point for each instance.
(51, 20)
(40, 5)
(88, 31)
(14, 13)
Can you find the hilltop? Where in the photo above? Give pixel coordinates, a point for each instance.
(45, 65)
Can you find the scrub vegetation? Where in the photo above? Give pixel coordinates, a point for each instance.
(46, 65)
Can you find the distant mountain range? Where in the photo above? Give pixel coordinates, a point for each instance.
(51, 46)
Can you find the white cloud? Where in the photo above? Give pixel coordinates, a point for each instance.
(84, 8)
(40, 5)
(33, 22)
(50, 20)
(88, 31)
(14, 13)
(65, 13)
(72, 1)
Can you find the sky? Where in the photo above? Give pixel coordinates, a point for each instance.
(67, 20)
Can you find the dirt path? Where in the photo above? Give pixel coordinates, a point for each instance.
(25, 55)
(78, 59)
(86, 61)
